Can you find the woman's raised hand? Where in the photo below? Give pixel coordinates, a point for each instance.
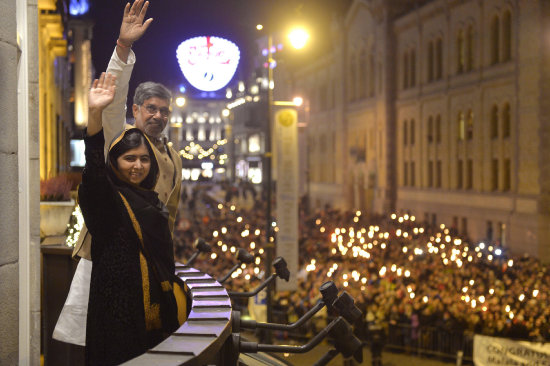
(102, 92)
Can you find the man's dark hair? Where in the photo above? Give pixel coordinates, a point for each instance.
(150, 89)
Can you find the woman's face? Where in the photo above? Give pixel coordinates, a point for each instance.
(134, 164)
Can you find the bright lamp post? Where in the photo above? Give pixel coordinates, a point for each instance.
(298, 38)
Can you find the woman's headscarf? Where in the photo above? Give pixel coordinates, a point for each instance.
(149, 218)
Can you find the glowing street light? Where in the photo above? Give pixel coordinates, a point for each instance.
(180, 101)
(298, 38)
(298, 101)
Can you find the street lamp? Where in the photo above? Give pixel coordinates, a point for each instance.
(298, 39)
(180, 101)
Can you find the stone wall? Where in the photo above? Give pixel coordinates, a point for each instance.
(12, 285)
(9, 224)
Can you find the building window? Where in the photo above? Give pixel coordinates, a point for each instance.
(438, 174)
(413, 67)
(506, 36)
(405, 174)
(459, 174)
(454, 228)
(461, 126)
(494, 175)
(439, 59)
(494, 122)
(371, 75)
(352, 77)
(460, 56)
(506, 121)
(430, 61)
(495, 40)
(507, 176)
(489, 231)
(413, 172)
(430, 129)
(362, 74)
(469, 174)
(470, 48)
(464, 226)
(430, 173)
(380, 77)
(405, 133)
(412, 131)
(470, 125)
(438, 128)
(405, 70)
(201, 134)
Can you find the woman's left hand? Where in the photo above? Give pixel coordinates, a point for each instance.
(102, 92)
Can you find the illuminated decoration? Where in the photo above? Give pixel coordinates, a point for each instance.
(78, 7)
(74, 230)
(208, 63)
(194, 150)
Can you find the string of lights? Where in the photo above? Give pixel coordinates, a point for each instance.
(196, 151)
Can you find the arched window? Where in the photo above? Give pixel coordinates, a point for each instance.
(323, 143)
(460, 126)
(470, 125)
(506, 36)
(494, 122)
(506, 120)
(495, 40)
(507, 175)
(412, 131)
(372, 75)
(460, 57)
(430, 129)
(494, 174)
(438, 128)
(352, 79)
(439, 59)
(459, 174)
(413, 67)
(362, 79)
(405, 70)
(323, 96)
(430, 173)
(430, 61)
(405, 133)
(470, 48)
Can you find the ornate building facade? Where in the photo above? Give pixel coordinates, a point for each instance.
(436, 108)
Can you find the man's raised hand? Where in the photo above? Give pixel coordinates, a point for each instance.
(133, 27)
(102, 92)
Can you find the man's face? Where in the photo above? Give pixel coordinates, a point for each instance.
(151, 117)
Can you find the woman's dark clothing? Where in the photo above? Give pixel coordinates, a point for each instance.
(131, 307)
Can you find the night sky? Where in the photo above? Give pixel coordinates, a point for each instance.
(178, 20)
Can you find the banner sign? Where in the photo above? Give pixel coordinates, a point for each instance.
(491, 351)
(286, 140)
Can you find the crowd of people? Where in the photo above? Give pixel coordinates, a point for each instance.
(399, 271)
